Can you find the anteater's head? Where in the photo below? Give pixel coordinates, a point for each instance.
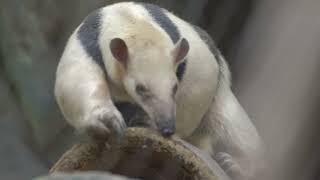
(150, 76)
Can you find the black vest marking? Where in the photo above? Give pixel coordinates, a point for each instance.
(210, 43)
(181, 69)
(88, 35)
(133, 114)
(169, 27)
(163, 20)
(213, 48)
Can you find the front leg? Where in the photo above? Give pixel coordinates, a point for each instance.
(83, 96)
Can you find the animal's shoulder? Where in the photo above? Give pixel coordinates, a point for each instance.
(223, 65)
(88, 35)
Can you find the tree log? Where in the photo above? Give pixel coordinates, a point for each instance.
(144, 154)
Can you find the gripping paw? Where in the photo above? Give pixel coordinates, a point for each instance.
(105, 123)
(229, 165)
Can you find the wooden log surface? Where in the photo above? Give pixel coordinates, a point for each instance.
(142, 153)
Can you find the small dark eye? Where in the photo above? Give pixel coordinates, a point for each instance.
(174, 90)
(141, 90)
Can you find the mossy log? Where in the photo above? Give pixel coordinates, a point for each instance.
(142, 154)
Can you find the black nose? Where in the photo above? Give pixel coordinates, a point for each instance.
(167, 132)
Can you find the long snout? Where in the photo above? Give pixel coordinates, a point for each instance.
(167, 126)
(166, 119)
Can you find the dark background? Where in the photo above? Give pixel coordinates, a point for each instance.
(273, 48)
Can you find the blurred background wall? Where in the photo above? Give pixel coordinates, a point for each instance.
(273, 48)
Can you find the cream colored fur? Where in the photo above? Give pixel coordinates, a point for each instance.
(81, 87)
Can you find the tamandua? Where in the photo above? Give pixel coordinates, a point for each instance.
(142, 54)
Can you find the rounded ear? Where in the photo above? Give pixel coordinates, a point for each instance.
(181, 50)
(119, 50)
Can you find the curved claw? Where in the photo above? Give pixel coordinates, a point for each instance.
(229, 165)
(105, 124)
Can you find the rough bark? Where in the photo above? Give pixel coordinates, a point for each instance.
(83, 176)
(142, 153)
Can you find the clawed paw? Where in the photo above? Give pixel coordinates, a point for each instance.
(229, 165)
(104, 123)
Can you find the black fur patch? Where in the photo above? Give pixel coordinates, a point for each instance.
(213, 48)
(171, 29)
(181, 69)
(133, 114)
(209, 41)
(88, 35)
(163, 20)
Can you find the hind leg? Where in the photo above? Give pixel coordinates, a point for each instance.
(208, 140)
(227, 133)
(229, 165)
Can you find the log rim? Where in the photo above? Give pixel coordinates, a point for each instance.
(82, 155)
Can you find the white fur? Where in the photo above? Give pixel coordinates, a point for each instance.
(196, 92)
(199, 96)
